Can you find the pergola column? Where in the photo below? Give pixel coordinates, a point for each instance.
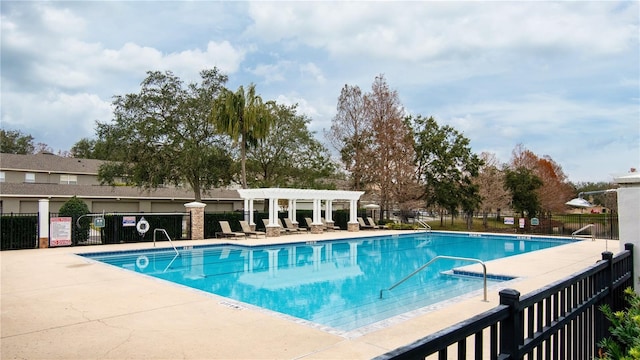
(329, 213)
(353, 224)
(316, 225)
(251, 219)
(273, 228)
(292, 211)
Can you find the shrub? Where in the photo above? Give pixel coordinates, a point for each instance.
(624, 342)
(75, 208)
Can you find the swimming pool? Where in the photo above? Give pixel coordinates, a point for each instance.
(332, 283)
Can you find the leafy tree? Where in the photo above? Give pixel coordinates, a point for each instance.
(446, 165)
(16, 142)
(523, 185)
(75, 208)
(351, 134)
(94, 149)
(555, 189)
(289, 155)
(608, 200)
(244, 117)
(161, 135)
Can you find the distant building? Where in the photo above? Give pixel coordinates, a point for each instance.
(25, 179)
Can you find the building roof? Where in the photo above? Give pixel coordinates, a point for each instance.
(47, 162)
(44, 191)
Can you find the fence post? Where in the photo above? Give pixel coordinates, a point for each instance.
(43, 223)
(629, 247)
(604, 323)
(511, 336)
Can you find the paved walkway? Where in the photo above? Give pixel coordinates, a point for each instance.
(56, 305)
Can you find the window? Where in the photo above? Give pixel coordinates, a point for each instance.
(68, 179)
(29, 177)
(1, 176)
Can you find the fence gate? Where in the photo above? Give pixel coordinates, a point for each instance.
(117, 228)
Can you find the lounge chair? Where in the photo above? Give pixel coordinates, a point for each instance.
(246, 228)
(373, 223)
(308, 221)
(330, 228)
(363, 225)
(290, 225)
(226, 231)
(266, 223)
(286, 229)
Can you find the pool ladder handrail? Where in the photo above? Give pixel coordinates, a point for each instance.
(168, 237)
(593, 234)
(484, 272)
(425, 226)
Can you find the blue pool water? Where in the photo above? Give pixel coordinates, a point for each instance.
(333, 283)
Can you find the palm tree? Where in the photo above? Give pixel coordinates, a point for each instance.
(243, 116)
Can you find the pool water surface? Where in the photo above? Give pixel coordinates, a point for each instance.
(335, 284)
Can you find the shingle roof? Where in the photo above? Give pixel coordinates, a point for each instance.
(98, 191)
(44, 162)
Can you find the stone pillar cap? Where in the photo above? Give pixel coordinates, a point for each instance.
(195, 204)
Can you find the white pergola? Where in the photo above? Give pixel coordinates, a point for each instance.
(293, 195)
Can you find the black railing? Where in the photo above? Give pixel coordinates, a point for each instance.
(560, 321)
(18, 231)
(605, 226)
(122, 227)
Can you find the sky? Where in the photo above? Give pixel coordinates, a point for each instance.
(560, 78)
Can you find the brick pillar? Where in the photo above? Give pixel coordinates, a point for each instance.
(317, 228)
(272, 231)
(353, 226)
(196, 210)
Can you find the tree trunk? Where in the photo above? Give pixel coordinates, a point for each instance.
(243, 161)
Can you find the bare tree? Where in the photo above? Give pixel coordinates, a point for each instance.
(392, 169)
(350, 134)
(490, 183)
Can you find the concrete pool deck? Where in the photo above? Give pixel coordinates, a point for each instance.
(57, 305)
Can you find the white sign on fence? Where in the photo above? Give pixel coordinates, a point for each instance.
(128, 221)
(60, 231)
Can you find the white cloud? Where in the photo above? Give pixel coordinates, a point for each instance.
(431, 30)
(60, 21)
(56, 116)
(314, 71)
(272, 72)
(499, 72)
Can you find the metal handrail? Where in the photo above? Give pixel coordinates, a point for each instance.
(593, 234)
(484, 271)
(168, 237)
(425, 226)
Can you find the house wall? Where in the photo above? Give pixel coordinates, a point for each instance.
(18, 177)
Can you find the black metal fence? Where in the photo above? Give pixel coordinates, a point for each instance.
(604, 226)
(18, 231)
(122, 227)
(560, 321)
